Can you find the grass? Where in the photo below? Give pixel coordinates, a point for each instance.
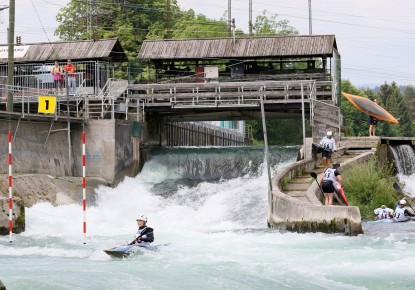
(370, 185)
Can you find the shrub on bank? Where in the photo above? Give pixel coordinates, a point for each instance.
(370, 185)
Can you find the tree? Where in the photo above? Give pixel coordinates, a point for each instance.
(394, 103)
(129, 20)
(355, 122)
(409, 95)
(270, 26)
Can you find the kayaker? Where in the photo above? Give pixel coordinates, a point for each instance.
(329, 177)
(144, 234)
(383, 212)
(329, 146)
(401, 213)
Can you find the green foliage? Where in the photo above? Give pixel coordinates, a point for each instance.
(368, 186)
(357, 123)
(280, 131)
(394, 103)
(269, 26)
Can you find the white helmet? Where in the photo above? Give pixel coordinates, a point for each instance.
(329, 133)
(141, 217)
(402, 202)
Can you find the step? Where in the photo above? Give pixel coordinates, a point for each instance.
(302, 179)
(297, 187)
(296, 193)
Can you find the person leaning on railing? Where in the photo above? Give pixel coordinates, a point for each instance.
(57, 77)
(70, 69)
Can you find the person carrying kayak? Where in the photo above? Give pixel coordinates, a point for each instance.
(329, 146)
(401, 213)
(327, 182)
(144, 234)
(383, 212)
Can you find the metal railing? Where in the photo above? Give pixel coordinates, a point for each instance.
(37, 78)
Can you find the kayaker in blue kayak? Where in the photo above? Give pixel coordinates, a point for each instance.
(144, 234)
(401, 213)
(383, 212)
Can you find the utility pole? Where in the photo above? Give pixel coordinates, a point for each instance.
(310, 20)
(250, 17)
(10, 64)
(230, 17)
(168, 20)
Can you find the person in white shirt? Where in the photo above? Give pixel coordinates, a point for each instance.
(329, 146)
(327, 182)
(383, 212)
(401, 213)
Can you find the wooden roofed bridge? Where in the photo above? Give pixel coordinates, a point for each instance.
(189, 80)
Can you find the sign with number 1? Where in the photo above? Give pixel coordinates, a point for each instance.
(47, 104)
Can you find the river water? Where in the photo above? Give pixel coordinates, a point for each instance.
(211, 206)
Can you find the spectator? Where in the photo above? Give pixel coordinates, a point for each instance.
(70, 69)
(57, 77)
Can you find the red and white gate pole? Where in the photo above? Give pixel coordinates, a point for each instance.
(10, 188)
(84, 182)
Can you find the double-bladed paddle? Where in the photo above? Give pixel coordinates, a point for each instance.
(314, 175)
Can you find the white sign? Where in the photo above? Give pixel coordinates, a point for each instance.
(19, 51)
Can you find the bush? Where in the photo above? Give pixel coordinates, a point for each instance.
(370, 185)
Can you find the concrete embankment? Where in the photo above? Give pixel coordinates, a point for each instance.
(306, 213)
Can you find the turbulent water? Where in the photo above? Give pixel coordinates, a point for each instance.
(404, 158)
(211, 205)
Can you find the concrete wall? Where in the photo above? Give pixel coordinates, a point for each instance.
(112, 152)
(30, 154)
(292, 214)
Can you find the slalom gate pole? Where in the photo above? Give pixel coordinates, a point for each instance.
(84, 183)
(10, 188)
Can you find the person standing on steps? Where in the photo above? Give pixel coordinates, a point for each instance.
(327, 182)
(372, 123)
(329, 146)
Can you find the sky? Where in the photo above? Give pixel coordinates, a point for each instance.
(376, 38)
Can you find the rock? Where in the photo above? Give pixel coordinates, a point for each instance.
(2, 287)
(18, 216)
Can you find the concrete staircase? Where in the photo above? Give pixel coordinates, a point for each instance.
(298, 186)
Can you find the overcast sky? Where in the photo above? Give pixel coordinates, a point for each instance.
(376, 38)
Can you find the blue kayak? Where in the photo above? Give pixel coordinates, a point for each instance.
(127, 250)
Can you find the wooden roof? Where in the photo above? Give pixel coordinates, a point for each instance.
(101, 49)
(246, 47)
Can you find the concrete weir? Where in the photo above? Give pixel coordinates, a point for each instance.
(295, 206)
